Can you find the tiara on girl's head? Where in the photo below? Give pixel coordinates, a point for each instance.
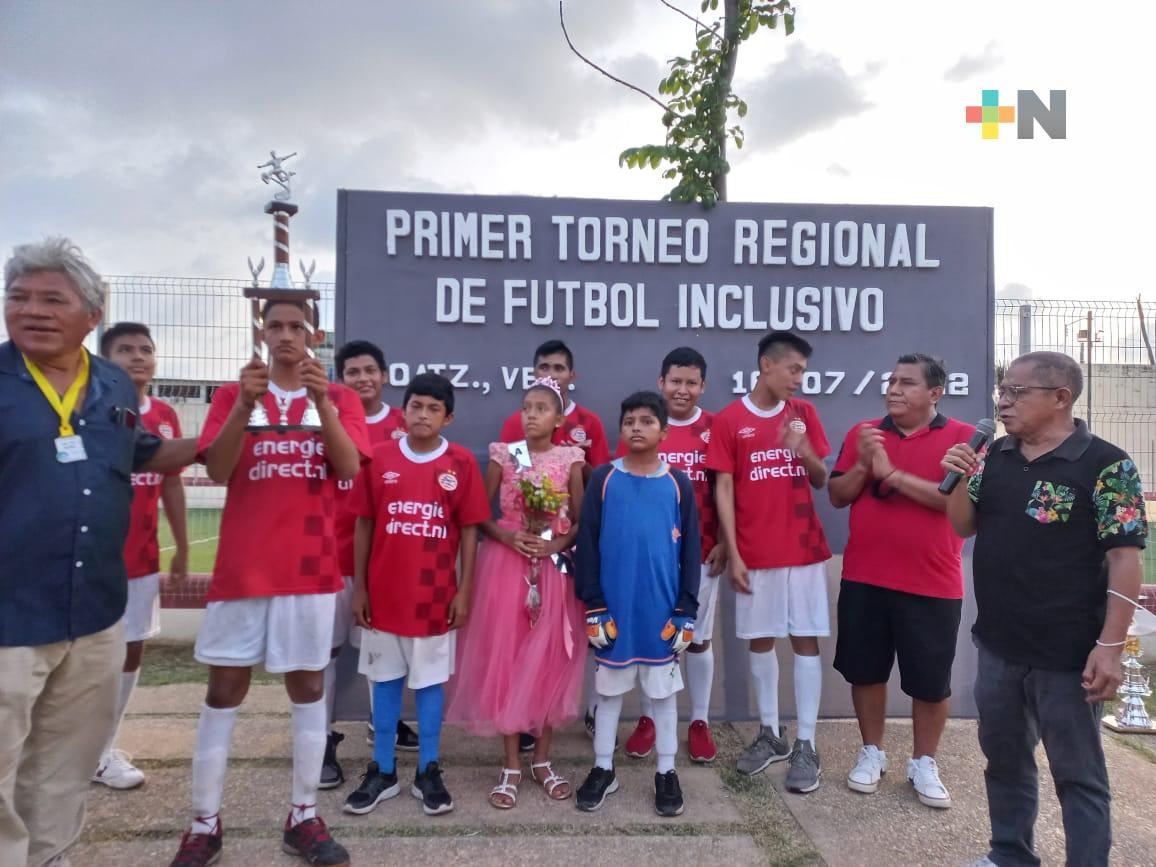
(550, 383)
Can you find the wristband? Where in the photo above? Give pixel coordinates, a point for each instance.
(1111, 643)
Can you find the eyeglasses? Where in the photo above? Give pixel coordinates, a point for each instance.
(1012, 393)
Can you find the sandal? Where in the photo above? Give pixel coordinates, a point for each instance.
(552, 783)
(506, 789)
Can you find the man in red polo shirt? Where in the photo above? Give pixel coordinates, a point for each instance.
(900, 595)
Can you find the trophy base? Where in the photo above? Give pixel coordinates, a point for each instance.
(1109, 722)
(282, 428)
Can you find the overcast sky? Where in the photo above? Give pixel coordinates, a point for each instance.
(135, 126)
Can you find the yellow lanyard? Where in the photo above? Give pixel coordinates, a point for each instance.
(63, 407)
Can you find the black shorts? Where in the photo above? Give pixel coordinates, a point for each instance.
(877, 624)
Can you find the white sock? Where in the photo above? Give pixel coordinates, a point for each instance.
(210, 759)
(606, 730)
(808, 688)
(666, 731)
(369, 683)
(128, 681)
(765, 673)
(699, 680)
(591, 696)
(309, 738)
(645, 705)
(330, 691)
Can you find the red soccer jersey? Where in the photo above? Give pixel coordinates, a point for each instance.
(277, 533)
(388, 423)
(927, 563)
(579, 426)
(685, 449)
(419, 504)
(141, 555)
(775, 519)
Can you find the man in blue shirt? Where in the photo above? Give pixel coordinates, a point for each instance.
(69, 441)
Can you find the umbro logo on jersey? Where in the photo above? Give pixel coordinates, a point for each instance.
(390, 477)
(746, 432)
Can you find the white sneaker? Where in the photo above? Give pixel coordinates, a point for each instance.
(117, 771)
(872, 764)
(924, 775)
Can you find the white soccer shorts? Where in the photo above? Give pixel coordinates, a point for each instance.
(782, 602)
(287, 633)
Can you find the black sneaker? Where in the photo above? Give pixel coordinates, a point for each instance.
(331, 774)
(599, 783)
(310, 840)
(375, 787)
(431, 791)
(526, 742)
(667, 794)
(406, 738)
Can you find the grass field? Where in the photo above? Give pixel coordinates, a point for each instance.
(166, 663)
(204, 528)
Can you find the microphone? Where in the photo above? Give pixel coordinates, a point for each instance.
(984, 430)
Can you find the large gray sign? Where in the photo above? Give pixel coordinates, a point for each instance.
(468, 286)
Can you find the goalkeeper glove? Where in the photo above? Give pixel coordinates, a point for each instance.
(679, 631)
(601, 630)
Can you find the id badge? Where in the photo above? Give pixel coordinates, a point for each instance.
(69, 450)
(520, 451)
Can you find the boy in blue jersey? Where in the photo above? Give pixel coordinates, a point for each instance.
(638, 555)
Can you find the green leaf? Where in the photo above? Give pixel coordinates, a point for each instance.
(742, 109)
(789, 24)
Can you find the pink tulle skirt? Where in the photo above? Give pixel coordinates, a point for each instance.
(510, 677)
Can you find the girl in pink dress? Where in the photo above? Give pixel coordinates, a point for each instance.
(511, 675)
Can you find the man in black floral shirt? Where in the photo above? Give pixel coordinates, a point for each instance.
(1058, 516)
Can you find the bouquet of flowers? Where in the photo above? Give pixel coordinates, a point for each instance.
(542, 504)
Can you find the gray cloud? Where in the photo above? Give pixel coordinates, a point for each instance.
(973, 64)
(1015, 291)
(141, 135)
(838, 170)
(806, 91)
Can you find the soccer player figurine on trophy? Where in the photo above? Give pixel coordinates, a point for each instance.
(281, 288)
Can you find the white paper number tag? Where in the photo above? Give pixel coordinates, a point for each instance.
(520, 451)
(69, 450)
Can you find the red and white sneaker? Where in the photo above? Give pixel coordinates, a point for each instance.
(310, 840)
(198, 850)
(641, 741)
(699, 742)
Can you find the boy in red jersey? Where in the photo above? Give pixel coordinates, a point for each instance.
(682, 383)
(767, 450)
(276, 579)
(580, 427)
(418, 501)
(130, 346)
(361, 366)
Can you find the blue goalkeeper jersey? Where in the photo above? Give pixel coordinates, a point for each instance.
(638, 556)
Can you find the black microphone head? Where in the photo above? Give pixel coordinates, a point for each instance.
(986, 427)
